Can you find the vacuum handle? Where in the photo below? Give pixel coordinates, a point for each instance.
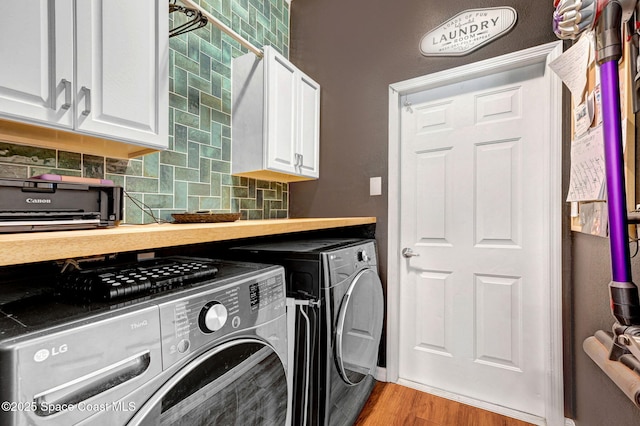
(609, 34)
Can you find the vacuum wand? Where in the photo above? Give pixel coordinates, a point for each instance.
(570, 19)
(617, 353)
(625, 304)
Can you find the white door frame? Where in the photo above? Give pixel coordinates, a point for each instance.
(554, 396)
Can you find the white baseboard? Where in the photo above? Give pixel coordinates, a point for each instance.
(529, 418)
(381, 374)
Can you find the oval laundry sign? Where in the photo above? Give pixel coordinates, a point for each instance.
(468, 31)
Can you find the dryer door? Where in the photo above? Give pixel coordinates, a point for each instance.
(242, 382)
(359, 327)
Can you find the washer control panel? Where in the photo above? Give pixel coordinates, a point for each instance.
(264, 293)
(219, 310)
(345, 262)
(362, 255)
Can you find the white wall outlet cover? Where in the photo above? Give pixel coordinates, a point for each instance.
(375, 186)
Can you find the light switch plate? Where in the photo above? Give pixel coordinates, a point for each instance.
(375, 186)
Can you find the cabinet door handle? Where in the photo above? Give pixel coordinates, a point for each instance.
(67, 94)
(301, 160)
(87, 100)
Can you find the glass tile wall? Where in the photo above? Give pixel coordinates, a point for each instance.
(194, 173)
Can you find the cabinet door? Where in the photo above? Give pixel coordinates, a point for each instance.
(122, 70)
(280, 106)
(308, 126)
(36, 55)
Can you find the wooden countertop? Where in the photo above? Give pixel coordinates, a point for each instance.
(42, 246)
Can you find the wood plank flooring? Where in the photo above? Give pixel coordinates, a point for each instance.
(392, 404)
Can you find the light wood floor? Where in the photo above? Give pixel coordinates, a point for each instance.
(392, 404)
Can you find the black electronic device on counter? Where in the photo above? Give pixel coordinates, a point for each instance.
(140, 278)
(40, 205)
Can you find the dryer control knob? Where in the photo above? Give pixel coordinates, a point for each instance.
(213, 317)
(363, 256)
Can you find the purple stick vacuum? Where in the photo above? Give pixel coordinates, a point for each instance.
(617, 353)
(625, 304)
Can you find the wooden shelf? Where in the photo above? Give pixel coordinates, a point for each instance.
(42, 246)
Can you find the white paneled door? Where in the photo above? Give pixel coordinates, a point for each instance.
(473, 288)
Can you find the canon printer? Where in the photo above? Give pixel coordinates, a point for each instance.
(39, 205)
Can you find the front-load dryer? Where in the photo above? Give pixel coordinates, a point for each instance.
(209, 353)
(339, 321)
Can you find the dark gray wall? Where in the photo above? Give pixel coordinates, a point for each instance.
(598, 400)
(355, 49)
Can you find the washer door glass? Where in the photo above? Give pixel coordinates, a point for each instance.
(359, 327)
(239, 383)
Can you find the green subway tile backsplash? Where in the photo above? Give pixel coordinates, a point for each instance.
(19, 172)
(194, 174)
(30, 156)
(151, 165)
(70, 160)
(93, 166)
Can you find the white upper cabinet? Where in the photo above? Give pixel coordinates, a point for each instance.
(120, 53)
(122, 84)
(275, 119)
(36, 62)
(309, 126)
(281, 105)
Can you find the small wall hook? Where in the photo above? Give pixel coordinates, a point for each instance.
(407, 105)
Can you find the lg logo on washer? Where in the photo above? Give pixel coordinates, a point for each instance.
(43, 354)
(137, 325)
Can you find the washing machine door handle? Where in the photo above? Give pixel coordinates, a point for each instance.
(91, 384)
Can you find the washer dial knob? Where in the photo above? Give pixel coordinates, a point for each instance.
(213, 317)
(363, 256)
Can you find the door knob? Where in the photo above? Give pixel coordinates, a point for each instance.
(407, 252)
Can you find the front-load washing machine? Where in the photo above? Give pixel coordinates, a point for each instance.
(208, 353)
(336, 285)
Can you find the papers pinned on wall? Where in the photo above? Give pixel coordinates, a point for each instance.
(594, 218)
(583, 115)
(572, 67)
(587, 188)
(587, 181)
